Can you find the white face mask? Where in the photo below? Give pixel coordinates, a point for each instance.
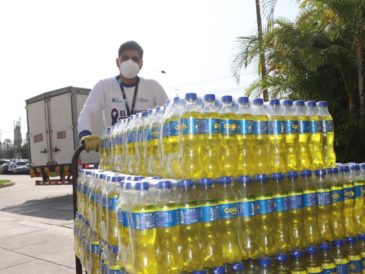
(129, 69)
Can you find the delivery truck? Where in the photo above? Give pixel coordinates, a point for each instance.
(53, 137)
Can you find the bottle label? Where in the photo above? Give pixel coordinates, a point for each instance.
(291, 126)
(298, 272)
(125, 219)
(295, 200)
(304, 126)
(228, 211)
(190, 125)
(120, 216)
(143, 221)
(245, 127)
(324, 196)
(209, 213)
(342, 266)
(264, 205)
(337, 194)
(103, 200)
(112, 202)
(315, 126)
(281, 203)
(359, 189)
(310, 198)
(229, 127)
(348, 192)
(210, 126)
(97, 197)
(355, 264)
(154, 133)
(165, 129)
(166, 218)
(246, 208)
(173, 128)
(327, 126)
(329, 268)
(276, 127)
(314, 269)
(260, 127)
(95, 248)
(189, 216)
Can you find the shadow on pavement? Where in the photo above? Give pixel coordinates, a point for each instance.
(58, 208)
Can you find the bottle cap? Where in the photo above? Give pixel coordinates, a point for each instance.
(297, 253)
(355, 167)
(199, 272)
(292, 174)
(320, 172)
(150, 111)
(138, 178)
(225, 180)
(185, 183)
(142, 186)
(265, 261)
(351, 240)
(127, 185)
(324, 246)
(287, 102)
(176, 100)
(312, 249)
(310, 103)
(237, 266)
(206, 181)
(274, 102)
(191, 96)
(258, 101)
(164, 185)
(338, 243)
(361, 237)
(362, 166)
(281, 257)
(322, 104)
(306, 173)
(332, 170)
(299, 103)
(144, 114)
(227, 99)
(117, 179)
(277, 176)
(243, 100)
(344, 169)
(244, 179)
(218, 270)
(261, 177)
(209, 97)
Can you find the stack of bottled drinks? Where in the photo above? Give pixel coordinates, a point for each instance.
(222, 187)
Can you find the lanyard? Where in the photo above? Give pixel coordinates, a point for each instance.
(129, 111)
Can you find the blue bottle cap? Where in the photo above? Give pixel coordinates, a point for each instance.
(338, 243)
(306, 173)
(310, 103)
(332, 170)
(138, 178)
(206, 181)
(225, 180)
(218, 270)
(185, 183)
(244, 179)
(243, 100)
(322, 104)
(274, 102)
(299, 103)
(199, 272)
(351, 240)
(287, 102)
(144, 113)
(265, 261)
(344, 169)
(261, 177)
(164, 184)
(227, 99)
(158, 109)
(312, 249)
(156, 177)
(361, 237)
(324, 246)
(176, 100)
(320, 172)
(209, 97)
(277, 176)
(121, 184)
(297, 253)
(237, 266)
(142, 186)
(281, 257)
(292, 174)
(109, 178)
(362, 165)
(150, 111)
(355, 167)
(191, 96)
(127, 185)
(258, 101)
(117, 179)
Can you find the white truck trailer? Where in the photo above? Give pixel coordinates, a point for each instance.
(52, 134)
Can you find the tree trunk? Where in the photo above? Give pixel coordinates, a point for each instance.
(262, 55)
(360, 80)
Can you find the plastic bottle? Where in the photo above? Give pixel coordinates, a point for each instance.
(103, 258)
(339, 255)
(282, 264)
(291, 135)
(276, 144)
(97, 189)
(112, 193)
(297, 265)
(337, 198)
(142, 143)
(261, 139)
(329, 155)
(152, 140)
(264, 219)
(359, 203)
(265, 266)
(236, 268)
(353, 254)
(361, 247)
(94, 254)
(305, 160)
(312, 260)
(210, 236)
(113, 262)
(324, 212)
(218, 270)
(362, 178)
(103, 205)
(229, 129)
(113, 147)
(295, 223)
(210, 129)
(131, 149)
(325, 256)
(191, 138)
(105, 149)
(190, 226)
(316, 135)
(167, 229)
(245, 137)
(86, 193)
(79, 190)
(247, 217)
(310, 210)
(251, 266)
(349, 201)
(228, 215)
(77, 227)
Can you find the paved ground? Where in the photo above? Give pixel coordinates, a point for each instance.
(36, 223)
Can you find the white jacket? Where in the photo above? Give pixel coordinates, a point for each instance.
(106, 99)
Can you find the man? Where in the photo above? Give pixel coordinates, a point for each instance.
(121, 96)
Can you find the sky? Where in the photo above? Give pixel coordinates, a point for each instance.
(47, 45)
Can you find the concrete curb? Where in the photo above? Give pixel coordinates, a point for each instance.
(7, 184)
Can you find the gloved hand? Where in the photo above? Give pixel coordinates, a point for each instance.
(91, 142)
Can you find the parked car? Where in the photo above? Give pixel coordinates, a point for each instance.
(22, 168)
(4, 168)
(14, 164)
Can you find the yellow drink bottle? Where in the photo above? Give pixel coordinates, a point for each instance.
(120, 147)
(362, 177)
(329, 155)
(359, 203)
(264, 218)
(297, 265)
(211, 150)
(245, 137)
(94, 254)
(112, 192)
(276, 144)
(310, 210)
(138, 145)
(247, 218)
(86, 193)
(316, 135)
(291, 132)
(113, 148)
(349, 201)
(153, 143)
(210, 236)
(142, 222)
(190, 226)
(261, 138)
(304, 155)
(337, 197)
(105, 149)
(190, 145)
(324, 211)
(131, 139)
(103, 206)
(143, 142)
(167, 230)
(312, 261)
(326, 259)
(229, 125)
(112, 261)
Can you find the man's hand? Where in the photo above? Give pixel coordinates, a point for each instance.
(91, 142)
